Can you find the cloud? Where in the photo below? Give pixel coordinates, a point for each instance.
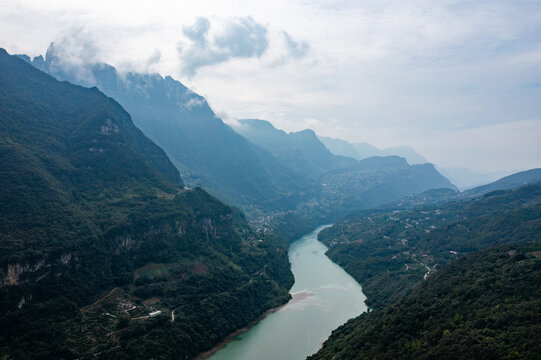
(198, 31)
(142, 65)
(195, 101)
(239, 38)
(155, 57)
(391, 72)
(73, 53)
(296, 49)
(243, 37)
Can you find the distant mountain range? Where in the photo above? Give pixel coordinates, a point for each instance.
(461, 177)
(343, 183)
(513, 181)
(301, 151)
(440, 196)
(257, 167)
(361, 151)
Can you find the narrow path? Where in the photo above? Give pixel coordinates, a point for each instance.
(428, 270)
(86, 308)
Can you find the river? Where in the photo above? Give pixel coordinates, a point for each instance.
(324, 297)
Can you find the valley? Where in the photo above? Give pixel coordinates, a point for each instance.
(323, 297)
(136, 223)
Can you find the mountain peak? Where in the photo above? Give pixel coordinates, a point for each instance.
(257, 123)
(306, 133)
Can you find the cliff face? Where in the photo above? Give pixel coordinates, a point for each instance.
(94, 221)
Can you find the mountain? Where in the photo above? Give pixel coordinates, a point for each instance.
(507, 183)
(103, 252)
(301, 151)
(406, 152)
(443, 195)
(390, 251)
(437, 291)
(262, 170)
(361, 151)
(466, 179)
(375, 181)
(207, 152)
(486, 305)
(341, 184)
(342, 147)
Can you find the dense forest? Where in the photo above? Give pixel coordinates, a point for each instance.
(97, 233)
(485, 305)
(390, 252)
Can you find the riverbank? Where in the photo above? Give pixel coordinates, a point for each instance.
(324, 297)
(233, 336)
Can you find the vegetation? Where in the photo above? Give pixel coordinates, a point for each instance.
(509, 182)
(376, 181)
(486, 305)
(97, 232)
(105, 254)
(207, 151)
(301, 151)
(391, 252)
(265, 172)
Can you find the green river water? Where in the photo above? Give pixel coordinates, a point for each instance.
(324, 297)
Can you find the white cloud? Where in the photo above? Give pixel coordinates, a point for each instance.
(390, 72)
(296, 49)
(72, 53)
(239, 38)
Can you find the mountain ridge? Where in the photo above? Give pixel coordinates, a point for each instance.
(205, 149)
(363, 150)
(91, 227)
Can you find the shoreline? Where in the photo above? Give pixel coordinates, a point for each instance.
(232, 336)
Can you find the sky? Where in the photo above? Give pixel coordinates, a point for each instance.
(460, 81)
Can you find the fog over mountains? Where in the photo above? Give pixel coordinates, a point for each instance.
(207, 152)
(253, 165)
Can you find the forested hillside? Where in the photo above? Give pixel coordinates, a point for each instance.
(97, 232)
(390, 252)
(341, 184)
(508, 182)
(486, 305)
(207, 151)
